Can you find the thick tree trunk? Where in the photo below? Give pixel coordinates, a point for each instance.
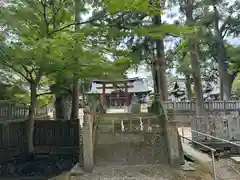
(188, 87)
(225, 77)
(75, 99)
(58, 108)
(161, 80)
(195, 63)
(155, 79)
(31, 118)
(161, 64)
(75, 90)
(63, 106)
(200, 110)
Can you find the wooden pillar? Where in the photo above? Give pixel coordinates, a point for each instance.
(103, 93)
(88, 162)
(126, 94)
(5, 135)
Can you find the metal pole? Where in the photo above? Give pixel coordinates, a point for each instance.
(212, 154)
(213, 166)
(183, 133)
(207, 147)
(214, 137)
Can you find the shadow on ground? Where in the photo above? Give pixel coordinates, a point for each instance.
(42, 167)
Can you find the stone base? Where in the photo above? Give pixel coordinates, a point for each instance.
(175, 162)
(76, 170)
(187, 167)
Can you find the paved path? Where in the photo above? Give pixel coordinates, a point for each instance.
(226, 172)
(140, 172)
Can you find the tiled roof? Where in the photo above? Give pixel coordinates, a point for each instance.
(138, 86)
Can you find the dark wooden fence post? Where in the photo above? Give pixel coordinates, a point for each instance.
(10, 111)
(5, 133)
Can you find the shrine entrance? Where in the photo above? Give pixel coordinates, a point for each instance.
(117, 98)
(119, 94)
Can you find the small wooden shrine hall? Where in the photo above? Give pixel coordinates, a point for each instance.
(116, 93)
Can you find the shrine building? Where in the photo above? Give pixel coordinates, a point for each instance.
(119, 93)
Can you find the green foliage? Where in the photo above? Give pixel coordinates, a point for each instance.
(180, 58)
(136, 6)
(10, 92)
(45, 100)
(234, 57)
(47, 51)
(159, 32)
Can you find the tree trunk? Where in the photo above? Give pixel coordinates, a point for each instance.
(188, 87)
(59, 115)
(160, 61)
(195, 63)
(161, 76)
(225, 77)
(155, 80)
(200, 110)
(75, 99)
(75, 90)
(161, 70)
(31, 118)
(63, 106)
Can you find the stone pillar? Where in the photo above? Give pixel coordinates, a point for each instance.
(173, 145)
(175, 151)
(171, 136)
(88, 162)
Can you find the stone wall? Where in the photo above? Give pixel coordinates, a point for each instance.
(130, 138)
(131, 148)
(222, 126)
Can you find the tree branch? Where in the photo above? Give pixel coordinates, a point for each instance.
(28, 72)
(222, 28)
(38, 76)
(80, 23)
(44, 6)
(46, 93)
(12, 67)
(234, 75)
(224, 33)
(16, 70)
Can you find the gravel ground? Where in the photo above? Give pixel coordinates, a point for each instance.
(227, 169)
(139, 172)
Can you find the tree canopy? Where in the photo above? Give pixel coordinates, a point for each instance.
(49, 46)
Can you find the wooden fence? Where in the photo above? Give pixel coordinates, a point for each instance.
(17, 111)
(210, 105)
(49, 137)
